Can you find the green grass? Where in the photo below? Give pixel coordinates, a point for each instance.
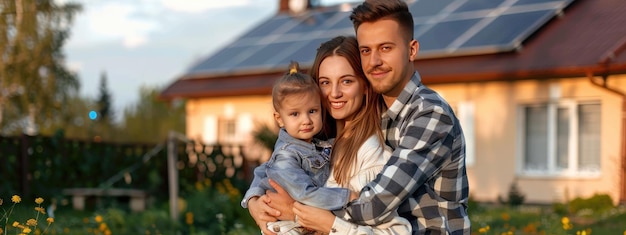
(215, 209)
(526, 219)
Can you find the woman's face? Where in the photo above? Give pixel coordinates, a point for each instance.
(342, 91)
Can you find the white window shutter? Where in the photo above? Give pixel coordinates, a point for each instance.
(466, 117)
(244, 127)
(209, 132)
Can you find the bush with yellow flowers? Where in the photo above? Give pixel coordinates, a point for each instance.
(30, 225)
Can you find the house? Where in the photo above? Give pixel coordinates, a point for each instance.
(539, 86)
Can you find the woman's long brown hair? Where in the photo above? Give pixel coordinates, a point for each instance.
(366, 122)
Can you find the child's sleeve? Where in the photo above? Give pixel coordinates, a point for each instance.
(286, 170)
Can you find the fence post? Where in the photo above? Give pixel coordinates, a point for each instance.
(172, 174)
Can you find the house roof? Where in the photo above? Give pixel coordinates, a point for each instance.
(587, 37)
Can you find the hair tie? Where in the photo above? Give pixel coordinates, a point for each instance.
(293, 70)
(293, 67)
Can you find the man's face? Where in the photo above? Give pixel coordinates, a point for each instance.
(386, 56)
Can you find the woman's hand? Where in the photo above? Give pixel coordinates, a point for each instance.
(281, 201)
(314, 218)
(262, 212)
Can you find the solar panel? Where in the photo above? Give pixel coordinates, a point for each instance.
(306, 54)
(315, 21)
(438, 37)
(506, 31)
(219, 60)
(264, 55)
(528, 2)
(476, 5)
(267, 27)
(422, 8)
(443, 28)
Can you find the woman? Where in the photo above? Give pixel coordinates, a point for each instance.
(358, 152)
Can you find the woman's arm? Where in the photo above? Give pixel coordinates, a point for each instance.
(324, 221)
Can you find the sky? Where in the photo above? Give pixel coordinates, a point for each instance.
(149, 43)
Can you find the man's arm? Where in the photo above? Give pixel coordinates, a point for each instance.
(424, 145)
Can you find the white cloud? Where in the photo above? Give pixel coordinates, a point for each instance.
(133, 41)
(196, 6)
(120, 22)
(74, 66)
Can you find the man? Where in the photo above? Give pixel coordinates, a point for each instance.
(425, 179)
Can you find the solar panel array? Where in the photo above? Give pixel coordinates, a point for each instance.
(442, 27)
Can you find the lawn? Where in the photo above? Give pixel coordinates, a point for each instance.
(216, 210)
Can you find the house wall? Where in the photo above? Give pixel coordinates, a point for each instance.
(497, 140)
(248, 112)
(490, 115)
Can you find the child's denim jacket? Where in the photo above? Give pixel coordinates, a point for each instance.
(302, 169)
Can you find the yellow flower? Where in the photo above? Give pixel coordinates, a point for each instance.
(15, 224)
(50, 220)
(505, 217)
(16, 199)
(39, 200)
(40, 210)
(26, 230)
(98, 218)
(189, 218)
(565, 220)
(103, 227)
(31, 222)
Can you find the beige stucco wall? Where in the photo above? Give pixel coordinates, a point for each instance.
(496, 142)
(257, 108)
(498, 146)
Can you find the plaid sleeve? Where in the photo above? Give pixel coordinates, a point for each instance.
(423, 146)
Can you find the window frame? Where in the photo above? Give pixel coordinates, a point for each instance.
(572, 170)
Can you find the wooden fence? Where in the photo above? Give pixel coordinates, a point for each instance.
(42, 166)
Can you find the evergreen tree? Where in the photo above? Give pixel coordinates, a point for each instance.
(105, 110)
(104, 127)
(34, 82)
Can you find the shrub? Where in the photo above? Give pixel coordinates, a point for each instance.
(597, 203)
(515, 196)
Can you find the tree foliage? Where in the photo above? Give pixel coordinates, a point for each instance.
(105, 109)
(150, 120)
(34, 82)
(104, 126)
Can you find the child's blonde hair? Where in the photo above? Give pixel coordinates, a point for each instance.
(293, 82)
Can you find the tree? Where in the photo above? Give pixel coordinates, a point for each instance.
(104, 123)
(105, 100)
(105, 111)
(34, 82)
(150, 120)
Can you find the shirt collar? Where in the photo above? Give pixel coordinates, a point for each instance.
(405, 96)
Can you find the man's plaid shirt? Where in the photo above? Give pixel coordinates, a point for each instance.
(425, 177)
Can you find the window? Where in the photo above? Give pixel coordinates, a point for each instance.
(227, 130)
(464, 111)
(561, 138)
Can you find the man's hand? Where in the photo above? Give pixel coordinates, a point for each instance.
(262, 212)
(281, 201)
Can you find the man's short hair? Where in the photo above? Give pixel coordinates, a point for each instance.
(374, 10)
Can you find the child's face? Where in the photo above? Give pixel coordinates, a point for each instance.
(301, 115)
